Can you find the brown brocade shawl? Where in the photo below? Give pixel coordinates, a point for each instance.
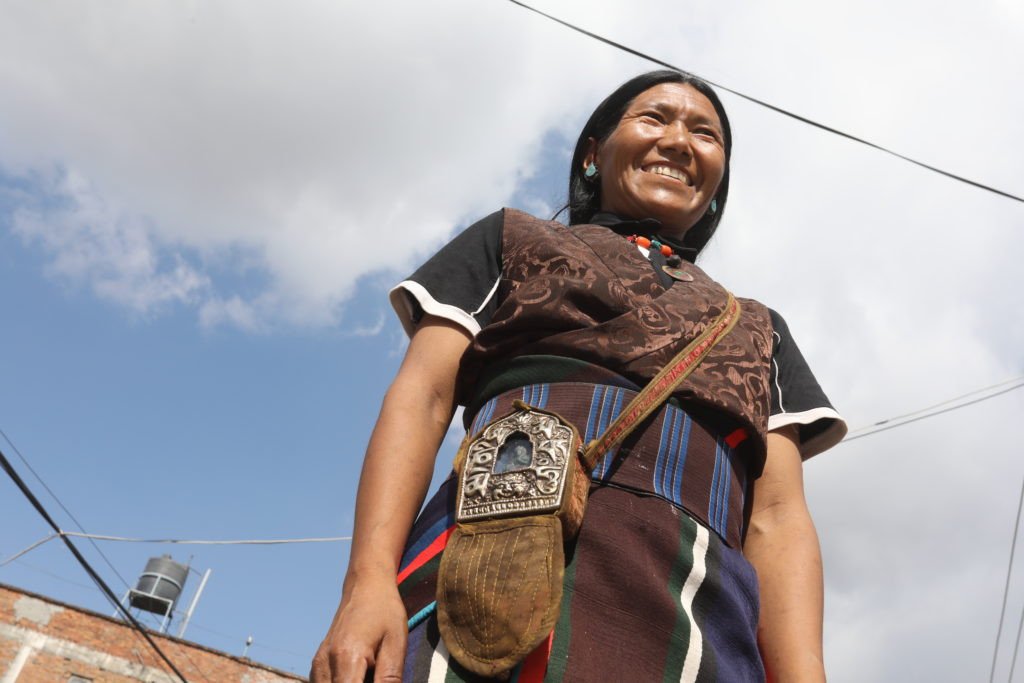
(586, 293)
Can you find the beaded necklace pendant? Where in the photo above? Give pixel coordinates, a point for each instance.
(647, 243)
(677, 273)
(674, 261)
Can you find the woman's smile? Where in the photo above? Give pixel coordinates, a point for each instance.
(670, 172)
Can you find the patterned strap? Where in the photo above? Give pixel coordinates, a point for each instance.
(664, 383)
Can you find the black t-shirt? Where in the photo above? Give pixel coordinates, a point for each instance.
(460, 283)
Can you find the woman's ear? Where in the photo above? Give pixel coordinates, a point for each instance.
(591, 155)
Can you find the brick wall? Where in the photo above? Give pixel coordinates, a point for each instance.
(45, 641)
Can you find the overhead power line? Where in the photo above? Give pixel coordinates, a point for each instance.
(1016, 645)
(263, 646)
(176, 612)
(268, 541)
(25, 551)
(58, 577)
(766, 105)
(1006, 592)
(940, 404)
(53, 495)
(178, 541)
(886, 426)
(96, 578)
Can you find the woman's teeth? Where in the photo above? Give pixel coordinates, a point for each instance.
(671, 173)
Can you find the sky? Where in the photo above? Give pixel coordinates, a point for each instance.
(203, 206)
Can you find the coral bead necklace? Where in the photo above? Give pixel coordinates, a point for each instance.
(673, 260)
(647, 243)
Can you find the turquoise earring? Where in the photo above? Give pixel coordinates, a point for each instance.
(714, 207)
(591, 172)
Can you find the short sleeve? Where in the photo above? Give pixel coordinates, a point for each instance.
(797, 398)
(458, 283)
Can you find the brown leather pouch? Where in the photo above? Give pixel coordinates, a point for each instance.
(499, 590)
(522, 493)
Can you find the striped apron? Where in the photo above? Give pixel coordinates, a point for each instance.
(655, 587)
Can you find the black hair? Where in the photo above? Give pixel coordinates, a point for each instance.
(585, 196)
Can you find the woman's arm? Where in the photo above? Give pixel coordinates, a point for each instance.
(369, 628)
(783, 547)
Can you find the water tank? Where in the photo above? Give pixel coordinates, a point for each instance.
(159, 585)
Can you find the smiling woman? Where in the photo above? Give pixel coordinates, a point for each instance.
(628, 503)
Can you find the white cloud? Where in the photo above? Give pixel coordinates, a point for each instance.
(94, 243)
(323, 141)
(371, 330)
(233, 311)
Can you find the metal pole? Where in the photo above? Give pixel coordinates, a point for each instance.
(192, 605)
(166, 620)
(167, 609)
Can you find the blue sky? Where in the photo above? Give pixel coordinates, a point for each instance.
(202, 208)
(148, 425)
(153, 427)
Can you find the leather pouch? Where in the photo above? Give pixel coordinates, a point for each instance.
(521, 495)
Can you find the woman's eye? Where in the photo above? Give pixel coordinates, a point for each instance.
(654, 115)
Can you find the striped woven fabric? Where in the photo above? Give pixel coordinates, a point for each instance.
(652, 588)
(656, 457)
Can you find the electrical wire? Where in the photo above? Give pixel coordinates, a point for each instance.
(192, 624)
(183, 651)
(915, 416)
(195, 625)
(85, 535)
(62, 507)
(255, 645)
(950, 409)
(1016, 645)
(882, 425)
(178, 541)
(25, 551)
(96, 578)
(766, 105)
(58, 577)
(152, 624)
(937, 405)
(879, 426)
(268, 541)
(1006, 592)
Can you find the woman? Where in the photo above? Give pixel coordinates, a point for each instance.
(661, 581)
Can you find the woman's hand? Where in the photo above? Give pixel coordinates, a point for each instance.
(368, 634)
(369, 629)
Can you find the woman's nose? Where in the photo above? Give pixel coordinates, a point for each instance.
(676, 137)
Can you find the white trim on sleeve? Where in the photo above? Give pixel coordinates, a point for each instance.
(832, 435)
(399, 297)
(490, 295)
(775, 369)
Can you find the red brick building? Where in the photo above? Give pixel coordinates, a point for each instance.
(46, 641)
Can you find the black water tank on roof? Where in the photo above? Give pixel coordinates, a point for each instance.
(159, 585)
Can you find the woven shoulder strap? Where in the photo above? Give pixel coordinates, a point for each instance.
(664, 383)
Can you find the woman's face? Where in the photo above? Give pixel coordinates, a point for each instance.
(664, 160)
